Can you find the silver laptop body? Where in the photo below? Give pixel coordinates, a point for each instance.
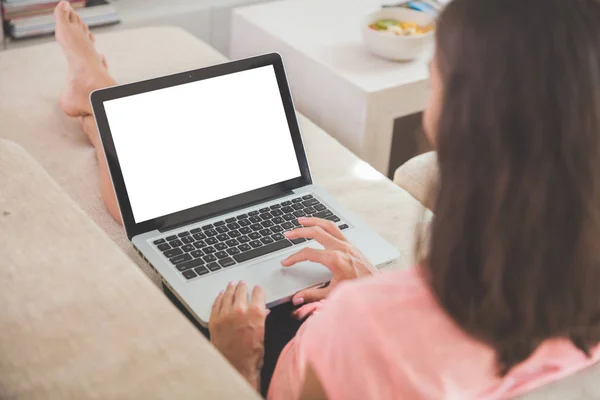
(209, 170)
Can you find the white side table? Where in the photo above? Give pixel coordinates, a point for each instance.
(356, 97)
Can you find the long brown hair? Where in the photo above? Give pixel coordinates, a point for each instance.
(514, 251)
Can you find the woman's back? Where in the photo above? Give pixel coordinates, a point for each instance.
(387, 338)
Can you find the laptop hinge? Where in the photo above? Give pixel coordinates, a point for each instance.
(166, 228)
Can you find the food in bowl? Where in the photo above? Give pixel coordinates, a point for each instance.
(400, 28)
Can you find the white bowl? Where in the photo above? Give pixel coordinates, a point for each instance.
(396, 47)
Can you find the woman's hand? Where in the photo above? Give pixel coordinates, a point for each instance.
(342, 258)
(237, 329)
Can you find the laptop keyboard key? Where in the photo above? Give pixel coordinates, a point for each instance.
(188, 247)
(219, 223)
(289, 217)
(287, 210)
(220, 246)
(276, 206)
(175, 243)
(311, 202)
(308, 196)
(222, 229)
(221, 254)
(297, 206)
(310, 210)
(180, 258)
(243, 239)
(234, 234)
(266, 216)
(230, 220)
(333, 218)
(187, 240)
(164, 246)
(296, 223)
(266, 232)
(287, 225)
(298, 200)
(286, 203)
(256, 227)
(200, 244)
(244, 222)
(254, 235)
(213, 266)
(277, 229)
(211, 232)
(343, 227)
(245, 230)
(278, 236)
(256, 219)
(209, 250)
(169, 238)
(189, 274)
(223, 237)
(206, 227)
(172, 253)
(199, 236)
(298, 241)
(190, 264)
(227, 262)
(233, 251)
(277, 213)
(255, 244)
(182, 234)
(245, 247)
(261, 251)
(253, 213)
(323, 214)
(159, 241)
(243, 216)
(232, 243)
(320, 207)
(201, 271)
(262, 210)
(267, 240)
(209, 258)
(299, 213)
(278, 220)
(233, 226)
(197, 253)
(267, 224)
(196, 230)
(211, 241)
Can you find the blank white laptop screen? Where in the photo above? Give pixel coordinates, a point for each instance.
(199, 142)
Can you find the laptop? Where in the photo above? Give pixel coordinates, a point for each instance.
(209, 170)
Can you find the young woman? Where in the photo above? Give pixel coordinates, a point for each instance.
(506, 296)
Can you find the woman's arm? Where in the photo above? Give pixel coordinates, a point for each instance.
(312, 388)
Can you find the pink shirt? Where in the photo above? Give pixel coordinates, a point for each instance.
(387, 338)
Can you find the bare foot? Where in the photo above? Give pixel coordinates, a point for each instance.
(87, 68)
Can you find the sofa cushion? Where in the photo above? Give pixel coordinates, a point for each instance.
(78, 319)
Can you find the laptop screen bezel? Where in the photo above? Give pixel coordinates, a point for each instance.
(98, 97)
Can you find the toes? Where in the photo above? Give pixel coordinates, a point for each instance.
(62, 12)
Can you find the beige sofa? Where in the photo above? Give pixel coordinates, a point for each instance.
(79, 318)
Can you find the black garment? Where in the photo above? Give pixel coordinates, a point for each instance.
(280, 328)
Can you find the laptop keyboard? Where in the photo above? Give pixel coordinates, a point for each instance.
(225, 243)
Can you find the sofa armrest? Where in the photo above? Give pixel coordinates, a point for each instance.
(79, 319)
(418, 176)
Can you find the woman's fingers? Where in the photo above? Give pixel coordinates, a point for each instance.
(327, 226)
(227, 300)
(329, 259)
(317, 233)
(258, 298)
(216, 308)
(240, 295)
(310, 295)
